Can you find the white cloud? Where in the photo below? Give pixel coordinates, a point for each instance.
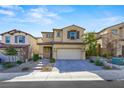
(101, 23)
(11, 10)
(7, 12)
(12, 7)
(63, 9)
(42, 15)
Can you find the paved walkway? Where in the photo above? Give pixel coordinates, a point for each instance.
(75, 65)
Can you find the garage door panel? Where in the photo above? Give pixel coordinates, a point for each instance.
(69, 54)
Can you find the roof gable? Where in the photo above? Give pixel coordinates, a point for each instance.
(17, 31)
(73, 26)
(111, 27)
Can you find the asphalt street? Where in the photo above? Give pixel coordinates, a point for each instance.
(63, 84)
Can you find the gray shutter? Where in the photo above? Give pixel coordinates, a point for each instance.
(68, 35)
(77, 34)
(16, 39)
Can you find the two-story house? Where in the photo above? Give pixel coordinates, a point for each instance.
(25, 43)
(64, 43)
(112, 39)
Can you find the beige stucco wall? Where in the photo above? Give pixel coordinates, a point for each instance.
(12, 38)
(66, 46)
(58, 39)
(47, 39)
(119, 48)
(107, 36)
(63, 38)
(65, 31)
(39, 40)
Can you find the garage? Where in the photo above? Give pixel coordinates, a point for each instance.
(73, 54)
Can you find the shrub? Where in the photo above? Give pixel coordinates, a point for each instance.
(8, 65)
(52, 60)
(19, 62)
(25, 69)
(46, 68)
(40, 57)
(91, 61)
(98, 63)
(107, 67)
(36, 57)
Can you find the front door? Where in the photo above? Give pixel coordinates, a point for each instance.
(47, 52)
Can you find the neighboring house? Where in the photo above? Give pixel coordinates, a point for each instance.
(63, 43)
(112, 39)
(25, 43)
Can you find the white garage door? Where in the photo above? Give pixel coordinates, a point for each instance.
(69, 54)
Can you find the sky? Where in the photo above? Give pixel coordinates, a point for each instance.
(35, 19)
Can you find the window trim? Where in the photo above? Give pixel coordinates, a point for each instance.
(76, 36)
(114, 33)
(58, 34)
(6, 39)
(17, 39)
(73, 35)
(49, 35)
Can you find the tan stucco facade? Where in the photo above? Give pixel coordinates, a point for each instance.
(29, 40)
(64, 42)
(116, 39)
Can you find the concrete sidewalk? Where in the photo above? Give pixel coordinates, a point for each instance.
(71, 76)
(48, 76)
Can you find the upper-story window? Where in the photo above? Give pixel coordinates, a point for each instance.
(58, 34)
(7, 39)
(73, 35)
(19, 39)
(48, 35)
(114, 31)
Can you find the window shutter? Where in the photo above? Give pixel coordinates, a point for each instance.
(23, 39)
(68, 35)
(78, 35)
(16, 39)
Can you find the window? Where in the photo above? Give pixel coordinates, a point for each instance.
(73, 35)
(114, 32)
(49, 35)
(58, 34)
(19, 39)
(7, 38)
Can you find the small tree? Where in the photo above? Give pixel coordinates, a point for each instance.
(90, 40)
(11, 51)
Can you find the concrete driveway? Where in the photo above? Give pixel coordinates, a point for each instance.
(75, 65)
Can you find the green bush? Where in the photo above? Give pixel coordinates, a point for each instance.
(8, 65)
(19, 62)
(40, 57)
(36, 57)
(25, 69)
(98, 63)
(52, 60)
(91, 61)
(107, 67)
